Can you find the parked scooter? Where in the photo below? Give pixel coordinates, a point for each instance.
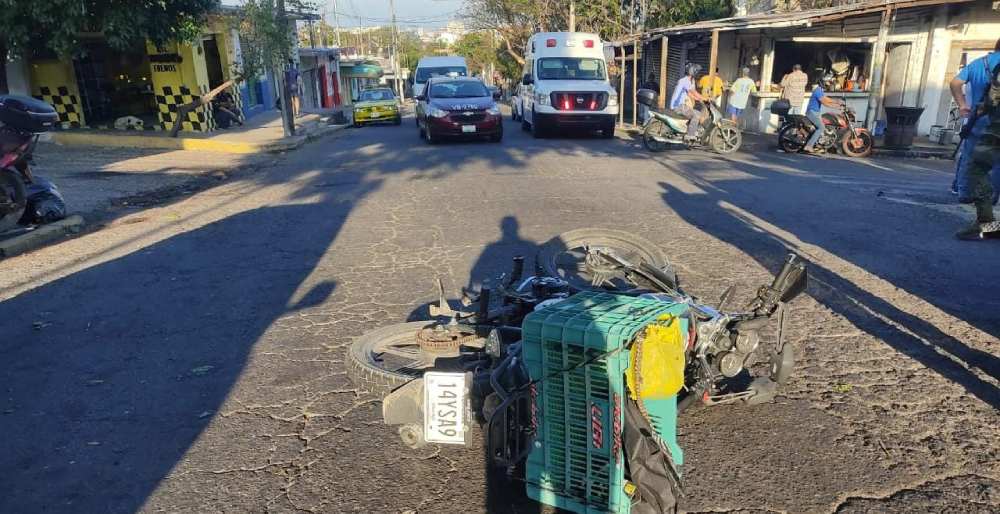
(667, 127)
(23, 197)
(841, 133)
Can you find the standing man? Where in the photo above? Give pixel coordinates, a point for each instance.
(712, 89)
(815, 108)
(984, 82)
(684, 100)
(975, 78)
(739, 94)
(292, 79)
(793, 88)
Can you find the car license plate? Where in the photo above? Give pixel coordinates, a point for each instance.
(468, 128)
(444, 408)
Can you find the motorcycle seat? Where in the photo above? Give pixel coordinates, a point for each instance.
(673, 114)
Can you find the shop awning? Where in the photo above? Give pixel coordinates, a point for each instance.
(784, 19)
(368, 70)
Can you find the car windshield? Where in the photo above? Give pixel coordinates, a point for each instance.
(441, 71)
(459, 89)
(376, 95)
(571, 68)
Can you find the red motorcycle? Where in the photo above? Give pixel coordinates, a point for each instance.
(22, 120)
(841, 133)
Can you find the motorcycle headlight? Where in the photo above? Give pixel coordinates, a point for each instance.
(542, 99)
(495, 111)
(434, 112)
(612, 99)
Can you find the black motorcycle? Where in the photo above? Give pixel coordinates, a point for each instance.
(23, 197)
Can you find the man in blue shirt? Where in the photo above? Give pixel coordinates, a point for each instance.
(684, 98)
(976, 76)
(813, 112)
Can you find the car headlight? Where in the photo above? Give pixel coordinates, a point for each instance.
(612, 99)
(542, 99)
(493, 110)
(434, 112)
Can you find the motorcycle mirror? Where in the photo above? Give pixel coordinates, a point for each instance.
(791, 280)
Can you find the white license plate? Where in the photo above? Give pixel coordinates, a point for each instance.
(444, 408)
(468, 128)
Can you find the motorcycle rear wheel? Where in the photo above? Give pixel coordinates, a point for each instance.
(654, 129)
(13, 199)
(565, 257)
(726, 138)
(792, 139)
(862, 147)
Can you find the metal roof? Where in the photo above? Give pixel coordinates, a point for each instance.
(785, 19)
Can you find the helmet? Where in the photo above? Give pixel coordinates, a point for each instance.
(693, 68)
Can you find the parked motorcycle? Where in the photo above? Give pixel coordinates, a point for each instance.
(486, 363)
(841, 132)
(664, 128)
(23, 120)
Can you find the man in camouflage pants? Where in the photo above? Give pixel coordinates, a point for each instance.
(986, 153)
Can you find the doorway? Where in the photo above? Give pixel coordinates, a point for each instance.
(213, 62)
(897, 71)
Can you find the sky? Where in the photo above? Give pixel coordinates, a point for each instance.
(409, 13)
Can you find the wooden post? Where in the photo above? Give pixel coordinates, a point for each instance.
(878, 62)
(713, 61)
(621, 87)
(635, 82)
(663, 73)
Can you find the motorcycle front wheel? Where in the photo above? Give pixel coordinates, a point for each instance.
(13, 199)
(654, 129)
(725, 138)
(860, 146)
(568, 256)
(792, 139)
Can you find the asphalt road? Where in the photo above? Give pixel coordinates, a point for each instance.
(189, 357)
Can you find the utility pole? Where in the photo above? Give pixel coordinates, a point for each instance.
(572, 15)
(287, 116)
(336, 22)
(395, 52)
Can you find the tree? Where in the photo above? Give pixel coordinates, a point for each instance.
(680, 12)
(478, 50)
(31, 25)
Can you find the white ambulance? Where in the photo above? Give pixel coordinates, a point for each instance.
(565, 85)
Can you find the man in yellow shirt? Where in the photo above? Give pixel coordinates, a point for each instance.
(712, 89)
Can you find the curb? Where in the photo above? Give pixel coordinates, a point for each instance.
(912, 153)
(184, 143)
(40, 236)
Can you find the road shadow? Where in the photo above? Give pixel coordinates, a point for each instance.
(745, 213)
(116, 370)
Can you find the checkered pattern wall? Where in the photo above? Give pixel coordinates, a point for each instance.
(66, 104)
(168, 104)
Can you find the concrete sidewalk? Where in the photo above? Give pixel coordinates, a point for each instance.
(262, 133)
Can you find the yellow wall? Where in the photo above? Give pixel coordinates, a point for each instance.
(180, 83)
(54, 82)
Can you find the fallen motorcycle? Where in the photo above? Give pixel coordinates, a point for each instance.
(841, 132)
(577, 372)
(664, 128)
(24, 198)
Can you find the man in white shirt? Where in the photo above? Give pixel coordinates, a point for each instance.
(739, 94)
(683, 102)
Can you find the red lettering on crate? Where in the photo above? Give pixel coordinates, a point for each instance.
(597, 425)
(616, 428)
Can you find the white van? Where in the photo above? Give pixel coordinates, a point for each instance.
(565, 84)
(428, 67)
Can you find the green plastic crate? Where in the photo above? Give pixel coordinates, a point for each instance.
(577, 462)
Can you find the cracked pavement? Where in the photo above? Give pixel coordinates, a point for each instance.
(189, 356)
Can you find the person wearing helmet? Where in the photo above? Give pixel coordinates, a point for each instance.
(815, 108)
(685, 98)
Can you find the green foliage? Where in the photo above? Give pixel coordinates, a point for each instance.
(478, 50)
(55, 25)
(680, 12)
